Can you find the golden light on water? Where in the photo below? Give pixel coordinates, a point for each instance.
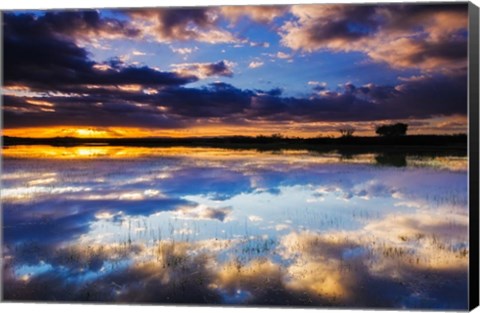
(119, 152)
(453, 163)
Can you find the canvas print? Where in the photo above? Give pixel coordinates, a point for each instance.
(283, 155)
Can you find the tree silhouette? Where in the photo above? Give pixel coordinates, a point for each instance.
(393, 130)
(346, 132)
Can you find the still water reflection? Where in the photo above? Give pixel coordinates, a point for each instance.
(197, 225)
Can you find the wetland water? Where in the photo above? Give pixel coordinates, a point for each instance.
(217, 226)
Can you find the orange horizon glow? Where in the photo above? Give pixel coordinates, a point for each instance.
(133, 132)
(434, 126)
(124, 132)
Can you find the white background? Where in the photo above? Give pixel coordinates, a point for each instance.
(84, 308)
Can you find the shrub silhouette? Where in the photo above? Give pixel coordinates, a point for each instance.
(394, 130)
(346, 132)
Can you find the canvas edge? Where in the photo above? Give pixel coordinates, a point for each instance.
(1, 155)
(473, 94)
(473, 147)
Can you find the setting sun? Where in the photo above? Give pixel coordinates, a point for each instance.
(83, 132)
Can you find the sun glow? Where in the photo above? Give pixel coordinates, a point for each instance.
(134, 132)
(89, 132)
(73, 131)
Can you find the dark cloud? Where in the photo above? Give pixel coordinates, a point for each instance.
(453, 50)
(429, 96)
(173, 107)
(94, 110)
(173, 22)
(329, 26)
(219, 69)
(215, 100)
(272, 92)
(198, 24)
(406, 17)
(85, 24)
(427, 37)
(37, 57)
(350, 23)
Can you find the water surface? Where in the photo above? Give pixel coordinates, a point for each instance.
(217, 226)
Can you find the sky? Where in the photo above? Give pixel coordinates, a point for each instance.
(297, 70)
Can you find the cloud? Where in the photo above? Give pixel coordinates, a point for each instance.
(437, 55)
(426, 97)
(259, 44)
(327, 26)
(315, 83)
(255, 218)
(167, 25)
(207, 102)
(57, 69)
(203, 212)
(412, 99)
(318, 86)
(138, 53)
(255, 64)
(183, 51)
(36, 57)
(282, 55)
(261, 14)
(430, 38)
(204, 70)
(81, 25)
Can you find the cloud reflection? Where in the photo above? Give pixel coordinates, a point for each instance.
(208, 228)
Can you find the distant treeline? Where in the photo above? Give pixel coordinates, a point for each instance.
(261, 142)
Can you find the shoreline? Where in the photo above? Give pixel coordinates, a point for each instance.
(405, 145)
